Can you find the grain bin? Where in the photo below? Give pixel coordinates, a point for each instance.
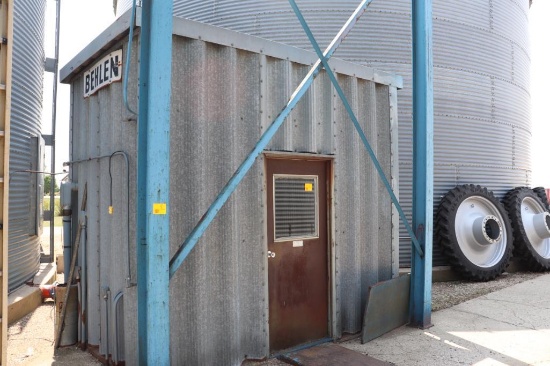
(26, 144)
(226, 88)
(481, 78)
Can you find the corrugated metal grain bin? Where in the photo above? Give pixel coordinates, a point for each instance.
(26, 144)
(481, 78)
(226, 88)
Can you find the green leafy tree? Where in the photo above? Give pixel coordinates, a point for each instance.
(47, 184)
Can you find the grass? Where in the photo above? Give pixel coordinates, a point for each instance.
(58, 220)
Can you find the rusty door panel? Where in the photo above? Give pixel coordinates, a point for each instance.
(298, 275)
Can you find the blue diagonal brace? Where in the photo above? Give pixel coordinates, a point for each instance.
(357, 126)
(197, 232)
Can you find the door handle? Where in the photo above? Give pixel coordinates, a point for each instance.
(270, 254)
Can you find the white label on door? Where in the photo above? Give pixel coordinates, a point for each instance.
(298, 243)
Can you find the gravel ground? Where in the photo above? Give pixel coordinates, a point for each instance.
(447, 294)
(30, 340)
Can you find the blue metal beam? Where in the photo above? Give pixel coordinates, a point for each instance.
(197, 232)
(421, 276)
(356, 125)
(128, 59)
(153, 186)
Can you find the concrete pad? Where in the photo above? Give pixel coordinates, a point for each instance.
(506, 327)
(22, 302)
(46, 274)
(27, 298)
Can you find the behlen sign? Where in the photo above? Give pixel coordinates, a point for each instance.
(103, 73)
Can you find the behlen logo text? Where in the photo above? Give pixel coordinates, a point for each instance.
(103, 73)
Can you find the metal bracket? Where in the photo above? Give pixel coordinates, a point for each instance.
(48, 140)
(50, 64)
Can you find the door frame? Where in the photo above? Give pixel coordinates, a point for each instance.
(331, 285)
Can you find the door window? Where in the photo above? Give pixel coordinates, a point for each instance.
(296, 207)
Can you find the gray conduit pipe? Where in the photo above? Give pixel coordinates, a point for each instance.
(66, 191)
(84, 279)
(79, 287)
(67, 247)
(129, 282)
(116, 321)
(107, 298)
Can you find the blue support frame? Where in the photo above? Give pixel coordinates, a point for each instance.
(423, 131)
(420, 304)
(153, 186)
(197, 232)
(356, 124)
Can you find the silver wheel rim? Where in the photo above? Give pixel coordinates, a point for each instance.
(482, 254)
(529, 209)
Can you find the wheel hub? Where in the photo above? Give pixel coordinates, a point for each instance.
(479, 231)
(536, 222)
(487, 230)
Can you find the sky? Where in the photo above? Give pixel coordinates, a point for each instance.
(81, 23)
(539, 19)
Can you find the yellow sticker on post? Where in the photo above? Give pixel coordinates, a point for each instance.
(159, 208)
(308, 187)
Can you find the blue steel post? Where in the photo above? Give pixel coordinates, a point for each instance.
(153, 169)
(421, 276)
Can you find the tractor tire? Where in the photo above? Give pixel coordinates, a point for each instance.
(541, 192)
(474, 231)
(531, 224)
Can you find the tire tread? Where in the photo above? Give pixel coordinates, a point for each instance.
(446, 237)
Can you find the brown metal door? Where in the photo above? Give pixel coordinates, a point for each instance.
(297, 252)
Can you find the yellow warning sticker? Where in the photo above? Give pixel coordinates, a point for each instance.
(308, 187)
(110, 210)
(159, 208)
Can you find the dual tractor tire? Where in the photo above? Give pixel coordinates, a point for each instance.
(479, 234)
(528, 210)
(474, 231)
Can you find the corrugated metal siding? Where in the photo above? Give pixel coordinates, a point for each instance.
(481, 70)
(26, 117)
(222, 100)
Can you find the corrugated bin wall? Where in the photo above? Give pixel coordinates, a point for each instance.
(226, 88)
(26, 119)
(481, 70)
